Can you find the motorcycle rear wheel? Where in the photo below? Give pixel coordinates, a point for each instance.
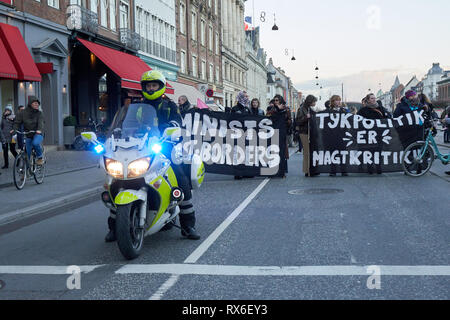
(130, 237)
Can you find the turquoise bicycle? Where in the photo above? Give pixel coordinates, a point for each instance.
(419, 156)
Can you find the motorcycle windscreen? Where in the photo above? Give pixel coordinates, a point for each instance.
(135, 121)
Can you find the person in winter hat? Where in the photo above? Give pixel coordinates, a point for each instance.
(32, 119)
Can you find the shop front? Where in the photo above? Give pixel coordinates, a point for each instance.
(19, 75)
(102, 78)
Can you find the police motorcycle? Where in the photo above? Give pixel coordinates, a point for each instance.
(141, 187)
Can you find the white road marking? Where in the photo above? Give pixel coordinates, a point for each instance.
(164, 288)
(45, 270)
(221, 270)
(193, 258)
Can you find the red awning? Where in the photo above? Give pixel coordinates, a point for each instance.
(128, 67)
(7, 69)
(45, 67)
(19, 53)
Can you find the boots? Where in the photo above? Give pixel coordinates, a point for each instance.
(111, 236)
(187, 223)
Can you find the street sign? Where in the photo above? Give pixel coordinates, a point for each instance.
(209, 93)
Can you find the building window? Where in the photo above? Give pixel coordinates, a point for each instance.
(194, 25)
(203, 71)
(217, 75)
(124, 14)
(202, 32)
(194, 66)
(216, 7)
(78, 2)
(103, 13)
(182, 18)
(94, 5)
(211, 38)
(53, 3)
(183, 61)
(112, 14)
(211, 73)
(209, 3)
(217, 43)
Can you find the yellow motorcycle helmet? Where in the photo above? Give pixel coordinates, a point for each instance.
(153, 76)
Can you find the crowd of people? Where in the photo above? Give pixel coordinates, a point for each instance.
(371, 109)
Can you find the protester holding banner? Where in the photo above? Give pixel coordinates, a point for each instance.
(302, 121)
(372, 109)
(280, 108)
(408, 104)
(242, 107)
(256, 108)
(336, 107)
(243, 104)
(184, 105)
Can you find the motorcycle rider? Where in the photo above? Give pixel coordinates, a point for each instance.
(153, 87)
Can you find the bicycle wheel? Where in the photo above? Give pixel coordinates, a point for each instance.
(20, 171)
(79, 144)
(416, 161)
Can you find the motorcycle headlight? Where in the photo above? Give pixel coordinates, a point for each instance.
(114, 168)
(138, 167)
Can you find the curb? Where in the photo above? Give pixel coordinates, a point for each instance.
(48, 205)
(9, 184)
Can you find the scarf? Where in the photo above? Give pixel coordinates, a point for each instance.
(243, 99)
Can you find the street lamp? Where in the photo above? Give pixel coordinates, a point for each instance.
(275, 27)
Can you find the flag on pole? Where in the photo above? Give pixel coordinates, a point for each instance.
(248, 23)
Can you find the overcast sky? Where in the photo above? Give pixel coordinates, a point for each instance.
(360, 42)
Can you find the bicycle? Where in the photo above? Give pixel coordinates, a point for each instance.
(24, 166)
(419, 156)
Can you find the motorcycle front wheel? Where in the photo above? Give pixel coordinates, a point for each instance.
(130, 237)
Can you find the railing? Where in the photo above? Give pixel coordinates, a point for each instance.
(79, 18)
(130, 38)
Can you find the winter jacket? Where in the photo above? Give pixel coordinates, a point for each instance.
(185, 107)
(302, 121)
(405, 107)
(167, 111)
(7, 126)
(32, 120)
(257, 111)
(240, 109)
(373, 113)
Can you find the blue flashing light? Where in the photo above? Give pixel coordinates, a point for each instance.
(99, 148)
(156, 148)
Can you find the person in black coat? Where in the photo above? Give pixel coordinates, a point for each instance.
(372, 109)
(408, 104)
(242, 107)
(243, 104)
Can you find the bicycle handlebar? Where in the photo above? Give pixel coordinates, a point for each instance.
(25, 132)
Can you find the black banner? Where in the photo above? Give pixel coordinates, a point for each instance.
(236, 144)
(347, 143)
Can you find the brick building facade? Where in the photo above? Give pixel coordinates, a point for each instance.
(199, 45)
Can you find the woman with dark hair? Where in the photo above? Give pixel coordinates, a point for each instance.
(255, 108)
(302, 120)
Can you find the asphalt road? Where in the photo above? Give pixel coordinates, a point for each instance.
(263, 239)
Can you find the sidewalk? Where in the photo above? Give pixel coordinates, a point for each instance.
(57, 162)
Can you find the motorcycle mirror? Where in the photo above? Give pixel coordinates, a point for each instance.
(173, 134)
(89, 136)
